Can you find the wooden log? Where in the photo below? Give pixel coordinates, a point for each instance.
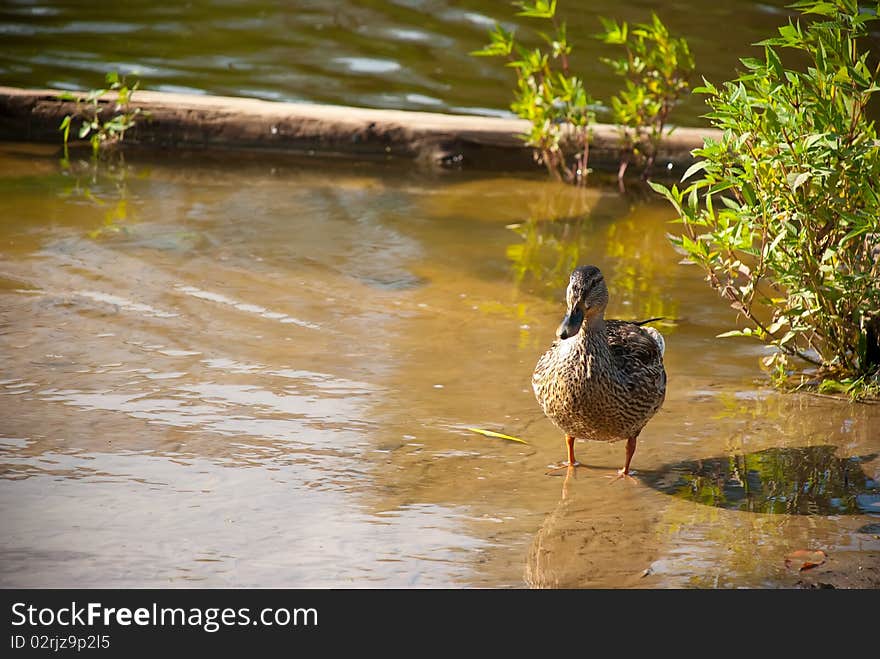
(220, 122)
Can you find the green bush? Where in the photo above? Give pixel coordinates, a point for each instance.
(561, 111)
(783, 212)
(656, 69)
(554, 101)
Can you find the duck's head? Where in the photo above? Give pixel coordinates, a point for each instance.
(586, 297)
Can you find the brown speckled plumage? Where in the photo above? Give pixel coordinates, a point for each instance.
(606, 380)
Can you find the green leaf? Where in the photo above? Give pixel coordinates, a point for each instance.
(692, 199)
(789, 335)
(661, 189)
(854, 233)
(796, 180)
(832, 386)
(490, 433)
(821, 8)
(732, 204)
(698, 166)
(774, 62)
(614, 34)
(537, 9)
(500, 45)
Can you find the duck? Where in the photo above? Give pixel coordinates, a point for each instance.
(600, 380)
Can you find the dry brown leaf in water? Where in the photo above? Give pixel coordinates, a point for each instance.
(805, 559)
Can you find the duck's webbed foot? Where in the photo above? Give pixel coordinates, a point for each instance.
(565, 469)
(572, 463)
(623, 473)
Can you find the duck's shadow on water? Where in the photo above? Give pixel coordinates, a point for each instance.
(793, 481)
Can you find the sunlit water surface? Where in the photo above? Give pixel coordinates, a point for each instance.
(241, 372)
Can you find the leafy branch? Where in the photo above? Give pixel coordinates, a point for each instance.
(559, 107)
(554, 101)
(101, 131)
(656, 68)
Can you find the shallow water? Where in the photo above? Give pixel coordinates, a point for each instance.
(407, 54)
(241, 372)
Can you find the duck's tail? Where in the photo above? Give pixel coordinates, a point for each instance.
(658, 339)
(645, 322)
(656, 335)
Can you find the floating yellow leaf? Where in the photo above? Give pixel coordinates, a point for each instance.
(490, 433)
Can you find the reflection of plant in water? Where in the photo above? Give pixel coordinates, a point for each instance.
(762, 418)
(625, 249)
(549, 251)
(729, 542)
(724, 549)
(635, 269)
(103, 184)
(551, 246)
(101, 181)
(793, 481)
(518, 312)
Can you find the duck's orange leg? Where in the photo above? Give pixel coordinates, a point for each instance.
(630, 449)
(569, 466)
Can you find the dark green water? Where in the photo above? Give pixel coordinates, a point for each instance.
(407, 54)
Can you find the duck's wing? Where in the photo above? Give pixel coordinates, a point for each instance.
(634, 345)
(638, 360)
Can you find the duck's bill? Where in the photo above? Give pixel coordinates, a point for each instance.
(571, 324)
